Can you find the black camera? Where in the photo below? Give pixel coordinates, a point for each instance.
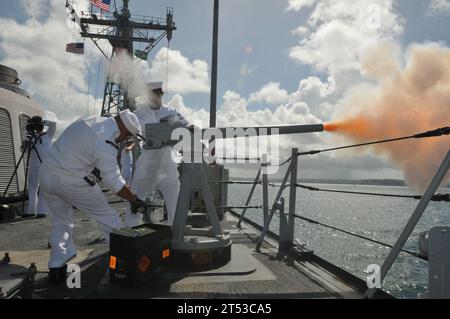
(34, 124)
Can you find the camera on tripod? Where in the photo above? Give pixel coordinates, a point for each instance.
(34, 124)
(34, 132)
(33, 128)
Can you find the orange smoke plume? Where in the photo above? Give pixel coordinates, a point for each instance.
(350, 127)
(405, 102)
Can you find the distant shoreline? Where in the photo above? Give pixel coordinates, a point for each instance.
(371, 182)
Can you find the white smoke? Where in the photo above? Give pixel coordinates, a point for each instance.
(130, 73)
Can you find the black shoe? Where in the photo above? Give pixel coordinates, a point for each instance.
(41, 215)
(57, 275)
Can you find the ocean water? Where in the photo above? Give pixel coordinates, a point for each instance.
(380, 218)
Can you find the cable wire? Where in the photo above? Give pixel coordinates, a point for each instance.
(283, 163)
(435, 198)
(434, 133)
(242, 183)
(417, 255)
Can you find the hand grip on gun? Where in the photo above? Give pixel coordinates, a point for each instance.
(137, 206)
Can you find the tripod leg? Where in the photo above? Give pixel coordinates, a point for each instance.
(36, 199)
(15, 170)
(26, 177)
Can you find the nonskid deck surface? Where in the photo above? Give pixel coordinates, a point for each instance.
(250, 274)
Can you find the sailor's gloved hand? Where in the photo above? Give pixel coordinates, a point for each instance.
(137, 206)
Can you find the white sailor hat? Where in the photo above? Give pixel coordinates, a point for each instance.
(155, 86)
(131, 122)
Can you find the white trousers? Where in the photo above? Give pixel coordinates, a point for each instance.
(150, 175)
(126, 171)
(62, 192)
(36, 203)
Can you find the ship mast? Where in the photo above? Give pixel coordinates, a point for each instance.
(122, 31)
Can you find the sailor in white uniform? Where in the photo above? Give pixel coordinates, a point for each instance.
(66, 181)
(156, 168)
(41, 142)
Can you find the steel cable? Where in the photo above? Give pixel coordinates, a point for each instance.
(435, 198)
(434, 133)
(356, 235)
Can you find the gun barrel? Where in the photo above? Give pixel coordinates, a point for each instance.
(271, 130)
(158, 135)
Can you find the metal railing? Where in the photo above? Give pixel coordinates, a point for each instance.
(287, 221)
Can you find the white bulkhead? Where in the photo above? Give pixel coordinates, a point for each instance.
(16, 106)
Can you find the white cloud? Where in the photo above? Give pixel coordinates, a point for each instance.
(318, 95)
(185, 76)
(300, 31)
(35, 9)
(338, 37)
(234, 112)
(343, 31)
(338, 40)
(314, 87)
(297, 5)
(440, 6)
(270, 93)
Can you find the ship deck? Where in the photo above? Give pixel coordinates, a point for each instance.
(249, 274)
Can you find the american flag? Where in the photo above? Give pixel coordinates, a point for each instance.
(102, 4)
(77, 48)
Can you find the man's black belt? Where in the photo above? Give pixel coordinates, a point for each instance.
(91, 183)
(96, 173)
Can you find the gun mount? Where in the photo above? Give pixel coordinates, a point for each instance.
(207, 247)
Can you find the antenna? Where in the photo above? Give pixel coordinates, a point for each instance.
(122, 29)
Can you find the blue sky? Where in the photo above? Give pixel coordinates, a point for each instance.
(268, 74)
(264, 25)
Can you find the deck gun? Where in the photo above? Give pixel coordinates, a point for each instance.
(159, 135)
